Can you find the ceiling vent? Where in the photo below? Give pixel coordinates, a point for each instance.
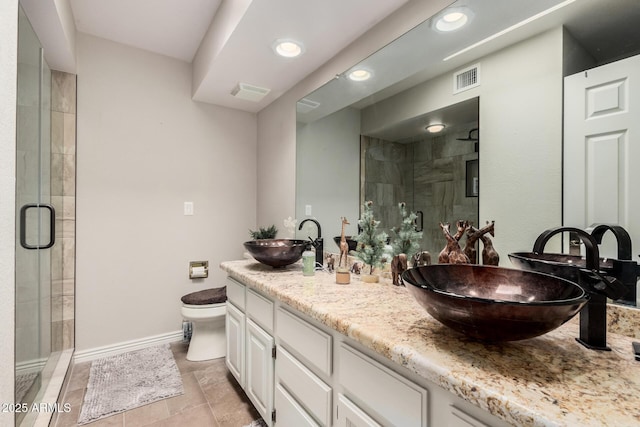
(249, 92)
(466, 78)
(306, 105)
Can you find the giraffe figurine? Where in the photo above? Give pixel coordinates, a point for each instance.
(344, 247)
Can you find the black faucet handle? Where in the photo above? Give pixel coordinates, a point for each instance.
(603, 285)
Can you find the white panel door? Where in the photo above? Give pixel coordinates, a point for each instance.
(260, 370)
(235, 336)
(602, 149)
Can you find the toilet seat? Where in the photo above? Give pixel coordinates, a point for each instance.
(204, 311)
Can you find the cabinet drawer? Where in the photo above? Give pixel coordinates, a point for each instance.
(381, 392)
(288, 412)
(309, 390)
(306, 340)
(349, 415)
(236, 293)
(260, 310)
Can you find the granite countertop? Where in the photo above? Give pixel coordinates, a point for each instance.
(550, 380)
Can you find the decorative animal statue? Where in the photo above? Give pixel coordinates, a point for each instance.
(330, 262)
(462, 227)
(473, 234)
(451, 254)
(344, 247)
(356, 268)
(489, 255)
(421, 258)
(398, 266)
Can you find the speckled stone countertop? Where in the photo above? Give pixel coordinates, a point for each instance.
(550, 380)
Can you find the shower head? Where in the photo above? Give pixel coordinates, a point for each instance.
(470, 137)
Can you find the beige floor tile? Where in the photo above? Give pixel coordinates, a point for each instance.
(192, 397)
(79, 376)
(147, 414)
(200, 416)
(212, 398)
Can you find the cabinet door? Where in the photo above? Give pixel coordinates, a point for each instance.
(235, 336)
(259, 361)
(349, 415)
(289, 412)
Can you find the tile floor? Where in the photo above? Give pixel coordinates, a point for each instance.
(212, 398)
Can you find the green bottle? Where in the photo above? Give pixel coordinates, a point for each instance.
(308, 262)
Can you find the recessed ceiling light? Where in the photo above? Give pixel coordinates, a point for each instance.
(288, 48)
(435, 128)
(452, 19)
(360, 75)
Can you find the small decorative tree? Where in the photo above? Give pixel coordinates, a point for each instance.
(405, 243)
(406, 238)
(371, 244)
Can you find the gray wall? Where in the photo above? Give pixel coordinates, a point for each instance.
(144, 148)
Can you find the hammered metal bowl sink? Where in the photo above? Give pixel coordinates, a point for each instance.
(494, 303)
(276, 252)
(566, 266)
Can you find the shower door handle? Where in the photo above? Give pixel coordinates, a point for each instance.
(419, 221)
(23, 225)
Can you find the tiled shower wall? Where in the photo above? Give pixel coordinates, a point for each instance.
(63, 198)
(440, 185)
(429, 175)
(387, 179)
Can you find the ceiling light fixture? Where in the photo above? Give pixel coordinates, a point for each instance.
(435, 128)
(359, 75)
(288, 48)
(452, 19)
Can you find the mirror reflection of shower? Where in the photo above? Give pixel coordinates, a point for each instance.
(435, 173)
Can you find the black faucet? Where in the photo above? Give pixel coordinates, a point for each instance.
(593, 316)
(623, 268)
(317, 243)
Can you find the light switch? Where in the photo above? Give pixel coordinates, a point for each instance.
(307, 210)
(188, 208)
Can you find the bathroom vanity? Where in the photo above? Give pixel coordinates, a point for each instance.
(309, 352)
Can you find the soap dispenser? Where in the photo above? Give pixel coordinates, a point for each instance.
(308, 261)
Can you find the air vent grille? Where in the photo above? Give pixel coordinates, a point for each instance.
(306, 105)
(249, 92)
(466, 78)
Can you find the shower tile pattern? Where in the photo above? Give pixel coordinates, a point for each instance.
(63, 198)
(429, 175)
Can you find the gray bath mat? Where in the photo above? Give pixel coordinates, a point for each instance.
(126, 381)
(257, 423)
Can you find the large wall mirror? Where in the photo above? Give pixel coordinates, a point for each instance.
(497, 86)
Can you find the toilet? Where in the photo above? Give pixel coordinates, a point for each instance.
(206, 311)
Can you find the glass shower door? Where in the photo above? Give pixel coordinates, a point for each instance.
(35, 220)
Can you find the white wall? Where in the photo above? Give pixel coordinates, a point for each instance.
(8, 69)
(328, 183)
(520, 135)
(144, 148)
(277, 122)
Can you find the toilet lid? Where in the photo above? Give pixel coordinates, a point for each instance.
(207, 296)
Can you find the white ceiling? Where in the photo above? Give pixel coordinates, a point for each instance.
(238, 35)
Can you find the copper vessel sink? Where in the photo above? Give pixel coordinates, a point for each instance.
(494, 303)
(276, 252)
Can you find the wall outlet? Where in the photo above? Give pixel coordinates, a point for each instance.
(307, 210)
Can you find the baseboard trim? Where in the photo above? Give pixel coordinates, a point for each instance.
(123, 347)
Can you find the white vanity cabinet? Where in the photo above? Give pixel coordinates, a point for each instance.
(298, 372)
(250, 345)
